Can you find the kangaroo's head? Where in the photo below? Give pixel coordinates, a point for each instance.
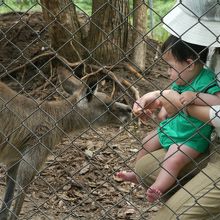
(96, 108)
(99, 109)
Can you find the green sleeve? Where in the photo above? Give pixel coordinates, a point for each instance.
(212, 88)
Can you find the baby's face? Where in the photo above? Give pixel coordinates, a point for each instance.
(179, 72)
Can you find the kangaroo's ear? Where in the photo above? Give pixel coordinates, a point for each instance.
(92, 87)
(68, 80)
(88, 88)
(79, 70)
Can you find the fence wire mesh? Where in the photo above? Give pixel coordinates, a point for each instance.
(69, 79)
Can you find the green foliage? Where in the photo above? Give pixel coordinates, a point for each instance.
(24, 5)
(84, 6)
(160, 9)
(18, 5)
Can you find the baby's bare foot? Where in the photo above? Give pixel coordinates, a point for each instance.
(153, 194)
(127, 176)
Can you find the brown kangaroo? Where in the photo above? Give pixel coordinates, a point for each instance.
(30, 129)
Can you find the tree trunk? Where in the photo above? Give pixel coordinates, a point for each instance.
(64, 31)
(140, 26)
(108, 34)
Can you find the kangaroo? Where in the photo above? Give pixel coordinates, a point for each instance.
(30, 129)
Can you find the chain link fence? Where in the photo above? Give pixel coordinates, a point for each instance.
(69, 79)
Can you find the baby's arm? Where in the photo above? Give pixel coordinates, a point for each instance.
(162, 115)
(200, 98)
(167, 100)
(170, 100)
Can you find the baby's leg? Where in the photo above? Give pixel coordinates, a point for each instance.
(150, 143)
(176, 158)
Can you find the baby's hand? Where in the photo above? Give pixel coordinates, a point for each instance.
(145, 106)
(188, 97)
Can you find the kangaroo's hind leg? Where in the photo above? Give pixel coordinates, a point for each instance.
(9, 193)
(29, 166)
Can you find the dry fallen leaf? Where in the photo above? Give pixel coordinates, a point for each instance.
(129, 211)
(85, 168)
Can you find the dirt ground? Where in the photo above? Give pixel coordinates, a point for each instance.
(77, 181)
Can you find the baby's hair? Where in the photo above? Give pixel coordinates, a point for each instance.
(182, 50)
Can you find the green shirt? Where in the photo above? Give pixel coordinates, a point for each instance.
(184, 129)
